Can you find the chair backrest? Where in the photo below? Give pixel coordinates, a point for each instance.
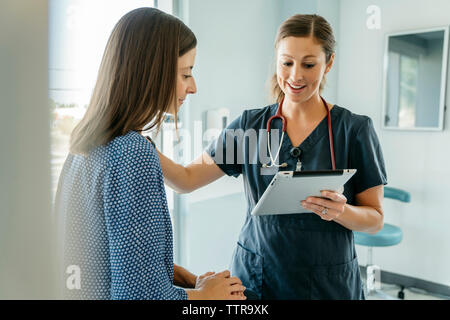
(397, 194)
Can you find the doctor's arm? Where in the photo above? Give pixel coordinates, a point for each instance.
(185, 179)
(366, 216)
(183, 278)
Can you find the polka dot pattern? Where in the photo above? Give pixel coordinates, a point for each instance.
(113, 215)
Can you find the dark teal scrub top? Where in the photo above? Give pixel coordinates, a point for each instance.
(298, 256)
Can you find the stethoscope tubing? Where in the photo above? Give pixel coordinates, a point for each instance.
(279, 115)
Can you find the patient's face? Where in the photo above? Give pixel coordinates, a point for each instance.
(185, 80)
(301, 65)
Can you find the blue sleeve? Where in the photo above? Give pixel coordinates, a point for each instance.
(139, 228)
(226, 150)
(367, 158)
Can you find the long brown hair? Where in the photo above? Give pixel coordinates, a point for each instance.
(305, 25)
(136, 83)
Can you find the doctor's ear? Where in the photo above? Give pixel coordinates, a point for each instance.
(329, 64)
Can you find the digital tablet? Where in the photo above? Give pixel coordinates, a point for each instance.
(288, 188)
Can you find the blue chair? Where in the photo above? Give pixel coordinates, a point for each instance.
(390, 235)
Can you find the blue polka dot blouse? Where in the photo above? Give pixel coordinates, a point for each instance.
(117, 232)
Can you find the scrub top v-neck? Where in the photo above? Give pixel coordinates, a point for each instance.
(298, 256)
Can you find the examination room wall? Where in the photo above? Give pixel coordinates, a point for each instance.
(415, 161)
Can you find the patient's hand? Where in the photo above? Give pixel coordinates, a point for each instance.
(219, 286)
(240, 294)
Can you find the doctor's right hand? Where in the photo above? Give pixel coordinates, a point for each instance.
(217, 286)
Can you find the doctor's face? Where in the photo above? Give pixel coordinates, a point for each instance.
(301, 65)
(185, 80)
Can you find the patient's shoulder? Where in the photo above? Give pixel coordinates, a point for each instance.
(133, 150)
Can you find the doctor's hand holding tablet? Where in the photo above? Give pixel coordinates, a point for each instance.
(329, 208)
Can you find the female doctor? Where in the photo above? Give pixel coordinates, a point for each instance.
(310, 255)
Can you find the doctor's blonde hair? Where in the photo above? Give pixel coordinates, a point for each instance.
(304, 25)
(136, 83)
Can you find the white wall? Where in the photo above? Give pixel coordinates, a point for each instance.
(415, 161)
(287, 8)
(330, 10)
(27, 247)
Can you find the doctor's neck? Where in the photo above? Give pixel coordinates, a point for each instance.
(304, 110)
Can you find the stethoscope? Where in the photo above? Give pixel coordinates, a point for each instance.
(295, 151)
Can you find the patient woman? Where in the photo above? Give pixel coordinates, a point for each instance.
(111, 202)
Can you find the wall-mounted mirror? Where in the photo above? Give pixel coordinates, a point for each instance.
(415, 73)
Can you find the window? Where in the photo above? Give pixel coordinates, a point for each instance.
(78, 33)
